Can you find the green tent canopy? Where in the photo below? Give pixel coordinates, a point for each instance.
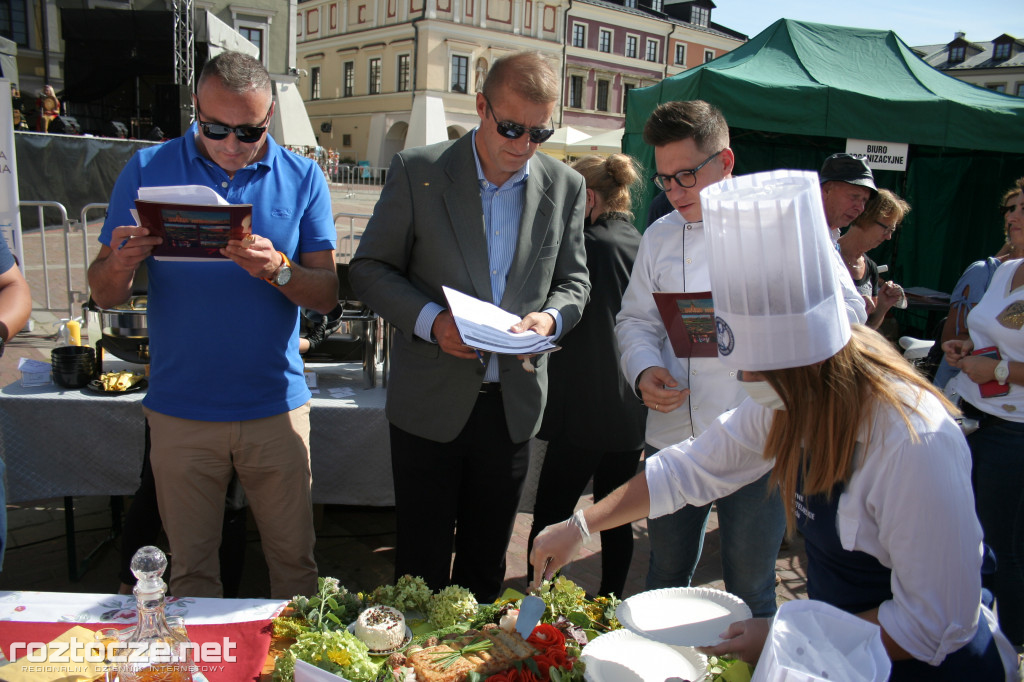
(796, 91)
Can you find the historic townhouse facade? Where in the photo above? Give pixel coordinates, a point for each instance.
(384, 75)
(612, 48)
(996, 65)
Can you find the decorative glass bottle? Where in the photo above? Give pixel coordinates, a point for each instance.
(155, 652)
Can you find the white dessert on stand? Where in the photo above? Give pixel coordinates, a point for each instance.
(380, 628)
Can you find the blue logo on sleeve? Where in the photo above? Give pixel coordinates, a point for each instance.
(726, 340)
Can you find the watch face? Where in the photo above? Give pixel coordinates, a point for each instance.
(284, 275)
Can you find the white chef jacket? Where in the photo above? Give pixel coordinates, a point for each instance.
(673, 258)
(908, 504)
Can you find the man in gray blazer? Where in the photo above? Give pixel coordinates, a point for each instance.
(486, 217)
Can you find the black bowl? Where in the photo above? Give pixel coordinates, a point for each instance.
(64, 353)
(74, 378)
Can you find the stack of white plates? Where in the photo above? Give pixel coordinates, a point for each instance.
(662, 627)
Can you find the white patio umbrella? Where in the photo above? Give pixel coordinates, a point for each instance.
(555, 145)
(609, 142)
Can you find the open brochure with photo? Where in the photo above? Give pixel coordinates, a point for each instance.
(195, 221)
(689, 319)
(485, 326)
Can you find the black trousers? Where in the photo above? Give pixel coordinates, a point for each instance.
(566, 471)
(460, 496)
(142, 527)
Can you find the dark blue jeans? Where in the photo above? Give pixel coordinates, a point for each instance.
(751, 524)
(997, 449)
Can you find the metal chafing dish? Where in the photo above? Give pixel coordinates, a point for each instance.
(125, 333)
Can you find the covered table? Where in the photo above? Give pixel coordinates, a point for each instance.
(59, 442)
(244, 623)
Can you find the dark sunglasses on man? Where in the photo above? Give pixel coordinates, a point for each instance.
(218, 131)
(514, 131)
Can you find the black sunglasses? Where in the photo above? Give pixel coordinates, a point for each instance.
(1008, 209)
(246, 134)
(684, 178)
(514, 131)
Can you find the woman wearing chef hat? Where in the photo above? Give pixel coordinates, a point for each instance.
(874, 471)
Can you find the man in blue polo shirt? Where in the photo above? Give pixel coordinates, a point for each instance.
(226, 386)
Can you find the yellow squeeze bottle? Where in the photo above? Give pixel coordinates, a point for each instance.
(74, 328)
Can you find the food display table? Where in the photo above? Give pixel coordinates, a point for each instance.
(59, 442)
(245, 623)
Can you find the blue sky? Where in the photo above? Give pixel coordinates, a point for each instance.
(917, 22)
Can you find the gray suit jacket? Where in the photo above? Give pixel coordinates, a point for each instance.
(426, 232)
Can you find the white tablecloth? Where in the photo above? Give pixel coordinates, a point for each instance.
(59, 442)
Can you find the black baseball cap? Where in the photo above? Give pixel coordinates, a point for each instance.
(849, 168)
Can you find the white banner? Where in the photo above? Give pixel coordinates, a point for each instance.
(10, 218)
(881, 155)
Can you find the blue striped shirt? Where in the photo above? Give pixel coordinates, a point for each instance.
(502, 214)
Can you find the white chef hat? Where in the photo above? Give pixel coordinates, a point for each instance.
(777, 298)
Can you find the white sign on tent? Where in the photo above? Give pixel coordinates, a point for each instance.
(880, 155)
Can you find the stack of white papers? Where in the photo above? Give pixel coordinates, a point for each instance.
(485, 326)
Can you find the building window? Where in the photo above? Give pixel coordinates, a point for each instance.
(956, 54)
(579, 35)
(658, 5)
(602, 95)
(631, 46)
(1001, 51)
(346, 140)
(630, 4)
(700, 16)
(349, 83)
(14, 21)
(680, 54)
(314, 82)
(1020, 89)
(708, 55)
(254, 36)
(403, 72)
(997, 87)
(604, 41)
(652, 50)
(625, 95)
(576, 91)
(460, 73)
(375, 76)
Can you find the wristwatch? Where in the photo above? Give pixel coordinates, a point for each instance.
(1002, 372)
(283, 275)
(2, 342)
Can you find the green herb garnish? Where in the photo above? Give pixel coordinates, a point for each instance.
(447, 659)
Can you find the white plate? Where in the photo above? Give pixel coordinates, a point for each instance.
(682, 616)
(373, 652)
(624, 656)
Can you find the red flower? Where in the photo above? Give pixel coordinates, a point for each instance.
(504, 676)
(526, 675)
(547, 637)
(546, 661)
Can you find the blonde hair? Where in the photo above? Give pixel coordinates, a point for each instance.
(884, 204)
(611, 178)
(814, 439)
(1018, 187)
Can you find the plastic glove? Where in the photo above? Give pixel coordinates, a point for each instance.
(556, 546)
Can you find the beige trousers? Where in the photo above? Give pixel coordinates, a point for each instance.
(192, 464)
